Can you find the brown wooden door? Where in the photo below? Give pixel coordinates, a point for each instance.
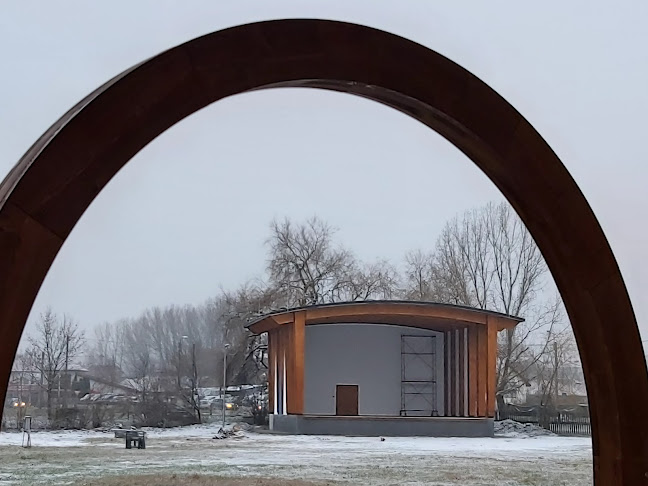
(346, 400)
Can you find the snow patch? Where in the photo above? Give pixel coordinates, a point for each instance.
(511, 428)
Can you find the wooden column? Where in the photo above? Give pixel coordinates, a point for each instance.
(446, 373)
(461, 357)
(284, 357)
(287, 331)
(491, 364)
(482, 366)
(453, 373)
(272, 363)
(278, 342)
(297, 348)
(473, 372)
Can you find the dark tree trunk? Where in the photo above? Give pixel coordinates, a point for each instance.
(49, 404)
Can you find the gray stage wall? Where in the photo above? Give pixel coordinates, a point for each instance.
(367, 355)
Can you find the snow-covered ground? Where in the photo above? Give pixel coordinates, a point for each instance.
(66, 456)
(80, 438)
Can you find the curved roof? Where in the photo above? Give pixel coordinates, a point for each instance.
(426, 315)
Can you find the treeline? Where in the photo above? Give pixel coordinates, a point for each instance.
(484, 258)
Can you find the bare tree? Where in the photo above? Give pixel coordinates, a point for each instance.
(106, 359)
(518, 266)
(305, 267)
(246, 352)
(174, 340)
(379, 280)
(56, 343)
(487, 259)
(420, 274)
(139, 362)
(553, 367)
(170, 353)
(518, 275)
(520, 352)
(463, 261)
(304, 264)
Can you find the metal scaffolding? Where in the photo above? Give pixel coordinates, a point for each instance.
(418, 376)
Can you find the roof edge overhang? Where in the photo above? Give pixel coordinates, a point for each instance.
(425, 315)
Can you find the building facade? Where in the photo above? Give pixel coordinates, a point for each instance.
(383, 368)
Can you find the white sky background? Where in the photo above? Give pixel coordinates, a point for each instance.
(190, 213)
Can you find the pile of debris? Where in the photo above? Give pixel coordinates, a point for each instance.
(511, 428)
(234, 432)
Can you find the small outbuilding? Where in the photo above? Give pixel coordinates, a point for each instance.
(394, 368)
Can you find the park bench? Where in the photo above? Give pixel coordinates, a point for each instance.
(135, 437)
(132, 437)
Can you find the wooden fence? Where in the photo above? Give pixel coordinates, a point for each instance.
(561, 422)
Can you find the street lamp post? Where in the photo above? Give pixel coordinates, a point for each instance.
(223, 387)
(195, 397)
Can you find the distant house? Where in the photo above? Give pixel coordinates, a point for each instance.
(28, 386)
(571, 388)
(25, 386)
(99, 387)
(71, 387)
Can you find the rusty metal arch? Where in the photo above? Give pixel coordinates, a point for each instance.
(52, 185)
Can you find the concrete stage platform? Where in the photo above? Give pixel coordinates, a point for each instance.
(369, 425)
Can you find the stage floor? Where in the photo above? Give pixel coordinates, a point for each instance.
(390, 426)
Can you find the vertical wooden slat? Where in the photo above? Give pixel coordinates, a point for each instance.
(453, 373)
(492, 366)
(473, 372)
(446, 373)
(278, 354)
(461, 356)
(284, 358)
(482, 367)
(287, 338)
(298, 343)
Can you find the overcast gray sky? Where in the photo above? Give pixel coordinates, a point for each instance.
(189, 214)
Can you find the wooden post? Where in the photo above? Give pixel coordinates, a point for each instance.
(276, 344)
(284, 368)
(272, 363)
(453, 373)
(287, 351)
(280, 371)
(446, 373)
(492, 366)
(461, 356)
(482, 367)
(473, 371)
(297, 348)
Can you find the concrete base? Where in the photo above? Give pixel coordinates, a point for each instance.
(382, 426)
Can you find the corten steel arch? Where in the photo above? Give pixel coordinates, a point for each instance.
(52, 185)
